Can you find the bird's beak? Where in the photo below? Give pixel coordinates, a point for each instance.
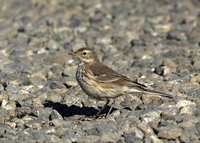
(73, 54)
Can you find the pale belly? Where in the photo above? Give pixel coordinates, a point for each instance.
(99, 91)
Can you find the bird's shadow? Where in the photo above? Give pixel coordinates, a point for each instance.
(68, 111)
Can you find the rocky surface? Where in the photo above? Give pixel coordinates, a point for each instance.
(155, 42)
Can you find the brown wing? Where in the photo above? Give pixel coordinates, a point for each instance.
(104, 74)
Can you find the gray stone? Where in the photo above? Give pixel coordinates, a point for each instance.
(58, 122)
(196, 62)
(10, 107)
(55, 115)
(55, 85)
(10, 136)
(42, 112)
(4, 115)
(190, 135)
(131, 104)
(107, 131)
(90, 138)
(131, 138)
(17, 97)
(37, 80)
(23, 111)
(54, 97)
(51, 138)
(170, 132)
(177, 35)
(40, 134)
(35, 124)
(169, 112)
(13, 89)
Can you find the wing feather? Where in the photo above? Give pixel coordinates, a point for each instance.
(105, 74)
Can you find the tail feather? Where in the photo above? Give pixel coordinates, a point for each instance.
(158, 93)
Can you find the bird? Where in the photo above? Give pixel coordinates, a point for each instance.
(100, 82)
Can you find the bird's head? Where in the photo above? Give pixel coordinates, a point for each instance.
(86, 55)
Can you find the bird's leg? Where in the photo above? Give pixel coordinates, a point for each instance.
(113, 102)
(102, 108)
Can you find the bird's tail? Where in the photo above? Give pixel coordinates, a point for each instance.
(158, 93)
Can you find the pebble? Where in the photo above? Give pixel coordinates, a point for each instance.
(190, 135)
(54, 97)
(183, 103)
(89, 138)
(4, 114)
(58, 122)
(13, 89)
(169, 112)
(170, 132)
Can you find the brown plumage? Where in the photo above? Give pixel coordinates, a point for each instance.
(101, 82)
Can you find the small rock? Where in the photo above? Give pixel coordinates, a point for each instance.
(147, 130)
(89, 138)
(189, 109)
(195, 80)
(70, 71)
(3, 97)
(159, 70)
(37, 80)
(54, 97)
(176, 35)
(169, 112)
(34, 124)
(188, 123)
(196, 61)
(190, 135)
(10, 136)
(11, 124)
(131, 104)
(51, 138)
(12, 88)
(151, 119)
(39, 134)
(42, 112)
(148, 98)
(154, 139)
(197, 126)
(37, 103)
(17, 97)
(170, 132)
(70, 83)
(23, 111)
(136, 42)
(107, 131)
(10, 107)
(162, 29)
(138, 133)
(132, 138)
(169, 66)
(20, 123)
(168, 123)
(55, 85)
(55, 115)
(183, 103)
(58, 122)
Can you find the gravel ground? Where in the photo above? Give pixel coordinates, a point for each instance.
(155, 42)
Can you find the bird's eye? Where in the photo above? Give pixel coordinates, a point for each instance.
(84, 53)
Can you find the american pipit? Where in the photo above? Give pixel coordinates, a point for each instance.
(101, 82)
